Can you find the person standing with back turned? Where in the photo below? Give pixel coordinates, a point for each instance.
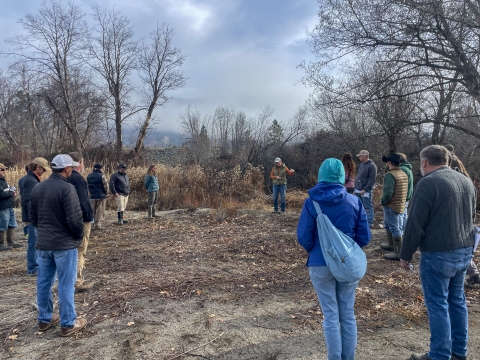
(77, 180)
(337, 298)
(56, 213)
(441, 226)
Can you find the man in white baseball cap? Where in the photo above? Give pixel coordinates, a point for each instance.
(56, 213)
(279, 176)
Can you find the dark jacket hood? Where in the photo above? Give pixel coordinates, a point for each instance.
(327, 193)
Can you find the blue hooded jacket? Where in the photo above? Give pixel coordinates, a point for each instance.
(344, 210)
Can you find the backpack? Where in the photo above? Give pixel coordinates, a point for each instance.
(344, 257)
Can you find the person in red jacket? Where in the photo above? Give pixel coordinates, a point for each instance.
(279, 176)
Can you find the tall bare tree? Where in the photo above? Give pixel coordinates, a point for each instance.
(53, 42)
(113, 54)
(160, 70)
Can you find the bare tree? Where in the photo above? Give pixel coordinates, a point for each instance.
(160, 70)
(53, 42)
(113, 55)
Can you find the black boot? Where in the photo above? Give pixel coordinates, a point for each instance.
(3, 247)
(120, 220)
(124, 221)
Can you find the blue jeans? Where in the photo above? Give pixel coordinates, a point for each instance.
(32, 254)
(442, 275)
(7, 219)
(368, 205)
(392, 221)
(282, 190)
(64, 263)
(403, 218)
(337, 300)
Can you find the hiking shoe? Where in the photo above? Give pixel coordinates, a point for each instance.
(420, 357)
(4, 247)
(458, 357)
(125, 221)
(45, 326)
(79, 324)
(475, 279)
(33, 273)
(83, 287)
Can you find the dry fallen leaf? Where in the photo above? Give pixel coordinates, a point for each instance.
(293, 316)
(12, 337)
(130, 323)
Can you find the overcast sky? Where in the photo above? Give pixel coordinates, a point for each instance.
(240, 53)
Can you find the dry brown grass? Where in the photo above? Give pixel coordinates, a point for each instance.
(194, 187)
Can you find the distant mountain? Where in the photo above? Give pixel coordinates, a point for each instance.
(155, 137)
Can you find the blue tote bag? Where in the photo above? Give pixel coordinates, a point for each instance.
(344, 257)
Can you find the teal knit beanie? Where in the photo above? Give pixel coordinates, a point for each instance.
(331, 171)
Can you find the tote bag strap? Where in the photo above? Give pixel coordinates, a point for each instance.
(317, 207)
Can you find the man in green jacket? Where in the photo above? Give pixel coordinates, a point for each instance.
(395, 186)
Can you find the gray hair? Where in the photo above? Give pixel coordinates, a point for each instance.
(436, 155)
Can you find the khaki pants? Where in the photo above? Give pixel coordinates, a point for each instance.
(98, 206)
(121, 202)
(152, 198)
(82, 251)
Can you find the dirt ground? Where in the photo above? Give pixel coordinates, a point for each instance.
(225, 284)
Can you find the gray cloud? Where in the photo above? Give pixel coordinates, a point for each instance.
(240, 53)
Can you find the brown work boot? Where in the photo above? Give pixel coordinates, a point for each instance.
(79, 324)
(3, 247)
(83, 287)
(45, 326)
(389, 244)
(10, 237)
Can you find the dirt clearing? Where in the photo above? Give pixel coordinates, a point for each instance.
(186, 286)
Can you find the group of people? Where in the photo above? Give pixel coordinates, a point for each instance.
(58, 214)
(440, 224)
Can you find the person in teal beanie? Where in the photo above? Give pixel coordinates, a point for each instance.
(347, 214)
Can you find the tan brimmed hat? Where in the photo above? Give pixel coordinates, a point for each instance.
(363, 152)
(41, 162)
(3, 167)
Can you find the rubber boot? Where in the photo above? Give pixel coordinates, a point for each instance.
(124, 221)
(389, 245)
(10, 238)
(3, 247)
(120, 220)
(397, 245)
(153, 211)
(149, 216)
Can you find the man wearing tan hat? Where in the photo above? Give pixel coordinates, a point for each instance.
(8, 223)
(364, 183)
(36, 169)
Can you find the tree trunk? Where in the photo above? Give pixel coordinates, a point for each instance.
(142, 133)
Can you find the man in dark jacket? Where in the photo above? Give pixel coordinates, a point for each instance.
(8, 223)
(56, 213)
(98, 187)
(441, 226)
(120, 188)
(365, 182)
(80, 184)
(36, 169)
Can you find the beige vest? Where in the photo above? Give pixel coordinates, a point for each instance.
(397, 202)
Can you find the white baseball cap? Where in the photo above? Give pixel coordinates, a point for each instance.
(278, 160)
(62, 161)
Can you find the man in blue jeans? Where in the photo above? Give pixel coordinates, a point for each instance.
(279, 176)
(364, 183)
(35, 170)
(55, 212)
(441, 226)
